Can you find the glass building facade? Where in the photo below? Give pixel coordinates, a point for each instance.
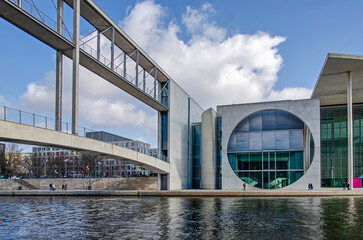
(266, 149)
(219, 153)
(334, 145)
(196, 155)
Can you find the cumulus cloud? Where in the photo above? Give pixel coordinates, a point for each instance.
(213, 68)
(40, 95)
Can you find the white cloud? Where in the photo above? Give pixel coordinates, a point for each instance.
(40, 95)
(212, 68)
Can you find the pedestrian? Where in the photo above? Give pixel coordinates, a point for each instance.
(348, 186)
(50, 186)
(244, 186)
(62, 186)
(65, 186)
(311, 186)
(53, 187)
(308, 186)
(344, 185)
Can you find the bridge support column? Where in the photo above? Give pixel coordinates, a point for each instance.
(112, 48)
(350, 130)
(98, 45)
(125, 65)
(75, 78)
(137, 69)
(155, 77)
(59, 71)
(144, 81)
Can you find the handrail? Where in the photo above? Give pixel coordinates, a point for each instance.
(26, 118)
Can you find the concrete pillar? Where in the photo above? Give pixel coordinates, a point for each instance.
(125, 65)
(98, 45)
(112, 47)
(75, 77)
(144, 81)
(159, 182)
(59, 70)
(137, 68)
(155, 77)
(208, 150)
(350, 129)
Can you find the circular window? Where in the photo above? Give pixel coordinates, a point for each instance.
(270, 149)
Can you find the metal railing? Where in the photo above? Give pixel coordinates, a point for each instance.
(41, 16)
(31, 119)
(120, 72)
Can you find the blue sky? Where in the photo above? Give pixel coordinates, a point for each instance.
(235, 51)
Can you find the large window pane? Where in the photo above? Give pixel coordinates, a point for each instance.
(255, 122)
(282, 160)
(242, 141)
(296, 139)
(255, 141)
(282, 140)
(268, 120)
(268, 140)
(256, 161)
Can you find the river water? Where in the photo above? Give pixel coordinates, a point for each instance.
(180, 218)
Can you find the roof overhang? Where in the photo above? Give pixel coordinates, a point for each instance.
(331, 87)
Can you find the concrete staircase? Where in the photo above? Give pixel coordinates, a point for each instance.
(25, 184)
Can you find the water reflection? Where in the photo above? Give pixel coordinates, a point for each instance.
(180, 218)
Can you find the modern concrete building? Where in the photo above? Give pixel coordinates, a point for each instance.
(287, 144)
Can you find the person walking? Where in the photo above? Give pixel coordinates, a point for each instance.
(348, 186)
(244, 186)
(344, 185)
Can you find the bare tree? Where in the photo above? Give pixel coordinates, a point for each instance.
(28, 165)
(13, 159)
(88, 161)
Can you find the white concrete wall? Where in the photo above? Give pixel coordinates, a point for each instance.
(208, 150)
(180, 161)
(307, 110)
(132, 183)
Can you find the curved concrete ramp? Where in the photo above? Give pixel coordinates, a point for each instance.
(25, 134)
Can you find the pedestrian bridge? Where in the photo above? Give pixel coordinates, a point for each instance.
(34, 135)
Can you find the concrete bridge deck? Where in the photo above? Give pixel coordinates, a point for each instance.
(189, 193)
(25, 134)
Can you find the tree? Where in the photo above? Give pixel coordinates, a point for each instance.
(28, 165)
(2, 159)
(88, 161)
(13, 159)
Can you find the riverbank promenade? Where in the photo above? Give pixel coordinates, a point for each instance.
(189, 193)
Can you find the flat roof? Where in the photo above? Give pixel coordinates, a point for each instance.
(331, 87)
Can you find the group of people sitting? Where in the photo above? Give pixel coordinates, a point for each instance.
(52, 186)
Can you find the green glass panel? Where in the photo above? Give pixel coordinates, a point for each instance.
(256, 160)
(265, 160)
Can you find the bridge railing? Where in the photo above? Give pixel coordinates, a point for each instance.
(31, 8)
(22, 117)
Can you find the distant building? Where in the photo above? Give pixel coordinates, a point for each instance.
(154, 152)
(59, 162)
(50, 161)
(106, 137)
